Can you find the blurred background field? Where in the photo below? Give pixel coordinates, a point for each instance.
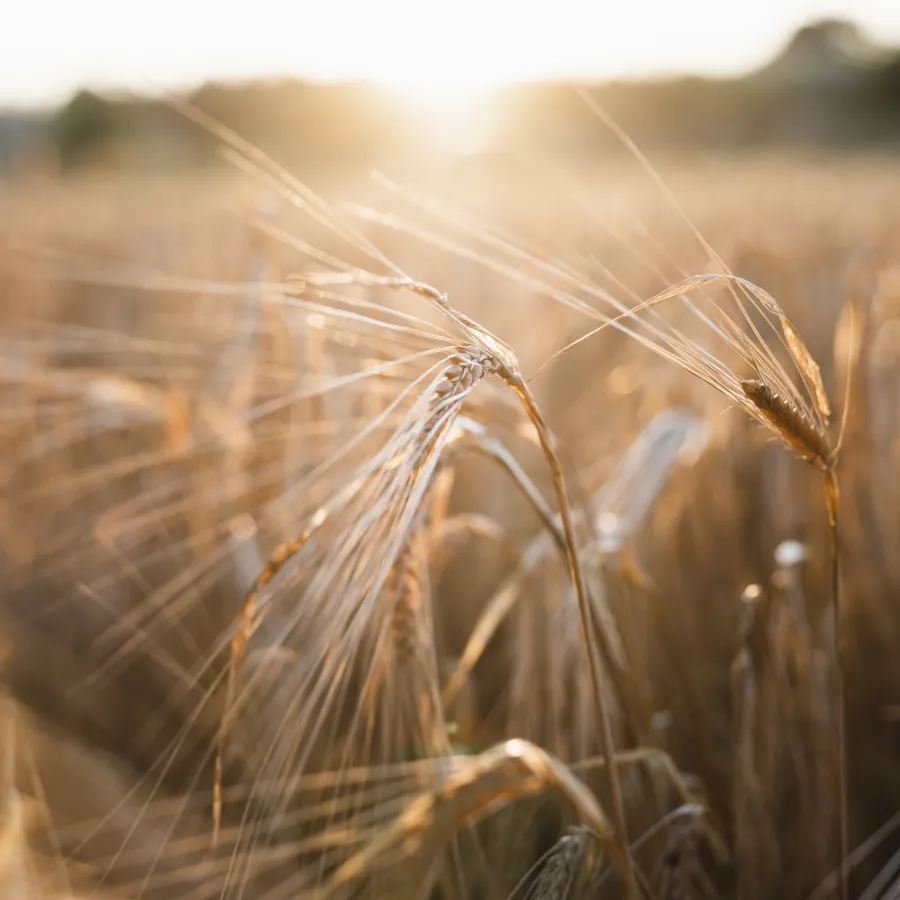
(190, 376)
(831, 88)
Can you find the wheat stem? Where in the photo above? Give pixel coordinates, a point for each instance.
(840, 737)
(623, 860)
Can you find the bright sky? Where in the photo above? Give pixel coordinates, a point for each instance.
(49, 47)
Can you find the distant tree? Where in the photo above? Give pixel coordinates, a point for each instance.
(85, 130)
(888, 81)
(828, 52)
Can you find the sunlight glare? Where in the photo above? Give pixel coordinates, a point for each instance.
(458, 114)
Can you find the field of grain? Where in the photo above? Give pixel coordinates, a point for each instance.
(312, 568)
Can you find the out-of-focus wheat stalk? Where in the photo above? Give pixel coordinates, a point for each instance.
(476, 786)
(492, 355)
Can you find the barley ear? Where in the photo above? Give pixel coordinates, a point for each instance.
(791, 424)
(807, 367)
(245, 624)
(809, 441)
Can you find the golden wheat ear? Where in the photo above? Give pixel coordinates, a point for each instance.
(798, 417)
(804, 436)
(847, 324)
(487, 354)
(245, 624)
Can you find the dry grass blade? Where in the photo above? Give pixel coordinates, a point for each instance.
(476, 786)
(625, 498)
(490, 620)
(657, 760)
(858, 856)
(619, 507)
(886, 883)
(484, 443)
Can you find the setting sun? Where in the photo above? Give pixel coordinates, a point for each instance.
(459, 115)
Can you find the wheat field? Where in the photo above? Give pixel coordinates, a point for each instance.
(326, 574)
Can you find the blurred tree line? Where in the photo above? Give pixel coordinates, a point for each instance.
(829, 87)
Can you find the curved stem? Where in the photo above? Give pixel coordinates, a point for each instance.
(831, 491)
(624, 863)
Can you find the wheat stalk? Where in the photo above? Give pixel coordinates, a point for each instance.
(491, 355)
(459, 375)
(487, 354)
(797, 419)
(805, 435)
